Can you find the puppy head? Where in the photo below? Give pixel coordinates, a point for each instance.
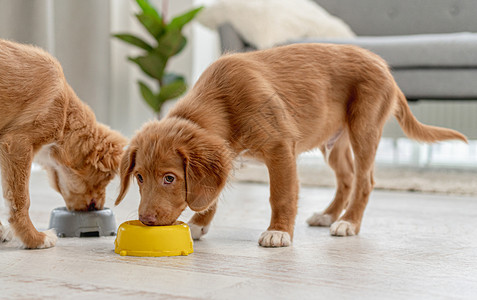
(83, 167)
(176, 164)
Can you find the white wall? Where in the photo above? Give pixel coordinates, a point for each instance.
(206, 44)
(79, 33)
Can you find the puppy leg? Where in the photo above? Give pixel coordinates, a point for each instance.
(365, 144)
(341, 161)
(6, 234)
(283, 197)
(15, 161)
(200, 222)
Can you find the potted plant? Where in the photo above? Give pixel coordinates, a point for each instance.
(168, 41)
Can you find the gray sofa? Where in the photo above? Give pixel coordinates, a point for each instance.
(431, 45)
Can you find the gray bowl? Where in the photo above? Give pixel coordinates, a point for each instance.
(83, 223)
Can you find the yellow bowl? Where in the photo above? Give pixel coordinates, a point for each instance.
(136, 239)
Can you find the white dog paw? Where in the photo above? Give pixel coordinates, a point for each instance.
(320, 219)
(342, 228)
(274, 238)
(197, 231)
(6, 233)
(50, 239)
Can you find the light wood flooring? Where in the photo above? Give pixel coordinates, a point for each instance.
(411, 246)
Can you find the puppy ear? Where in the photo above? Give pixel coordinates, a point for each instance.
(109, 151)
(126, 168)
(60, 155)
(206, 169)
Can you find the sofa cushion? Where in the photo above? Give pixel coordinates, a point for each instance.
(445, 83)
(404, 17)
(451, 50)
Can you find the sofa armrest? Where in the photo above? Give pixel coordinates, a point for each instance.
(231, 41)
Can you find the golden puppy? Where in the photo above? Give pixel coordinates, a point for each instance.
(272, 105)
(40, 114)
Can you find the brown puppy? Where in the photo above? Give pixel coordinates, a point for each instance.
(273, 104)
(40, 113)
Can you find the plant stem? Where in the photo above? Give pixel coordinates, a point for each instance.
(159, 114)
(165, 6)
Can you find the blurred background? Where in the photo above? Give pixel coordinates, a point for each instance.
(79, 34)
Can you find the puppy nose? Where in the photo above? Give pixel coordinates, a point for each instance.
(148, 219)
(92, 205)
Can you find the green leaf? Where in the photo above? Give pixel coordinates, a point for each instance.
(181, 46)
(149, 97)
(180, 21)
(148, 9)
(171, 43)
(152, 64)
(133, 40)
(154, 25)
(172, 90)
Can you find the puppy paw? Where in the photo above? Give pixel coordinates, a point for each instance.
(320, 219)
(342, 228)
(6, 234)
(49, 240)
(274, 238)
(197, 231)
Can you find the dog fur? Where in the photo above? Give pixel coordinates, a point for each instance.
(272, 105)
(41, 114)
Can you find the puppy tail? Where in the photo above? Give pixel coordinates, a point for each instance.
(418, 131)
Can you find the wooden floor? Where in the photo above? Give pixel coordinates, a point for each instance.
(411, 246)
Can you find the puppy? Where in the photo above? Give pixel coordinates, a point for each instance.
(272, 105)
(40, 114)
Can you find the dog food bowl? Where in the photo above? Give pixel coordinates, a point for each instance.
(136, 239)
(83, 223)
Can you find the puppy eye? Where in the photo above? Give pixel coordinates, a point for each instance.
(168, 179)
(139, 178)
